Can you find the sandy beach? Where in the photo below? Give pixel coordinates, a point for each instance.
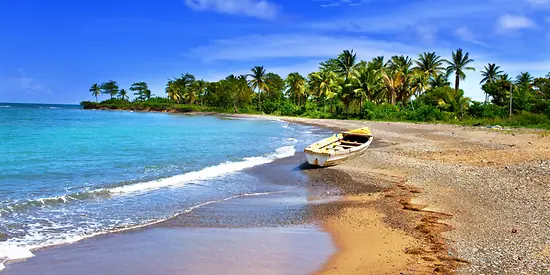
(440, 199)
(423, 199)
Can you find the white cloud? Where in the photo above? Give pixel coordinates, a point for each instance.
(466, 35)
(27, 83)
(257, 47)
(338, 3)
(539, 2)
(263, 9)
(515, 22)
(410, 14)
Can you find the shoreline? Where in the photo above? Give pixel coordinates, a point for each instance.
(280, 215)
(427, 198)
(475, 199)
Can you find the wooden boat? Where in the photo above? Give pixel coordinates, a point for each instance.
(339, 147)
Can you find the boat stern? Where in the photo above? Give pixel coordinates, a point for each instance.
(316, 158)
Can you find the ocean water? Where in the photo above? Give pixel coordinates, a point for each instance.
(67, 174)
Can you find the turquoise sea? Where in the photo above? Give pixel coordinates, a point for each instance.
(68, 174)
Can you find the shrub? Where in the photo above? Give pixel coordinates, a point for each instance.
(89, 105)
(489, 110)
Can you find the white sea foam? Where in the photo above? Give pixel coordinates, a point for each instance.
(21, 248)
(204, 174)
(4, 106)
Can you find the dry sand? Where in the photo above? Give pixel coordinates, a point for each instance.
(445, 199)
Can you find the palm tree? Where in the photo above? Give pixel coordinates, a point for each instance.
(313, 80)
(419, 82)
(96, 90)
(440, 80)
(324, 85)
(123, 94)
(328, 86)
(378, 62)
(346, 63)
(400, 67)
(190, 96)
(490, 75)
(258, 82)
(524, 79)
(110, 87)
(393, 79)
(173, 91)
(505, 78)
(296, 87)
(366, 80)
(200, 87)
(429, 63)
(458, 64)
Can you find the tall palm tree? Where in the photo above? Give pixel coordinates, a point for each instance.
(346, 62)
(110, 87)
(490, 75)
(123, 94)
(401, 64)
(365, 81)
(458, 64)
(200, 87)
(378, 62)
(296, 87)
(429, 63)
(328, 86)
(96, 90)
(173, 91)
(324, 84)
(419, 82)
(258, 82)
(393, 79)
(190, 96)
(524, 79)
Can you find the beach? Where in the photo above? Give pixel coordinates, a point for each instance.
(469, 200)
(423, 199)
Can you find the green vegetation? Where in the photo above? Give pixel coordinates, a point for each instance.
(400, 89)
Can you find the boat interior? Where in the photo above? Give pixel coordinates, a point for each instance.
(348, 141)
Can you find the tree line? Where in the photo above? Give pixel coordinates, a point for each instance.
(399, 88)
(111, 88)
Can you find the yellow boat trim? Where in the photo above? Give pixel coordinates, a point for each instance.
(361, 131)
(322, 146)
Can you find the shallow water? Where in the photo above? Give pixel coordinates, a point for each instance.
(68, 174)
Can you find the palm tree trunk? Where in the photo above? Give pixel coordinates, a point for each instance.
(260, 100)
(457, 82)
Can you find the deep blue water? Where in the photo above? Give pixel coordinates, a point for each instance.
(67, 173)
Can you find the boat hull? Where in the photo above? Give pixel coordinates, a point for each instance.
(327, 160)
(338, 148)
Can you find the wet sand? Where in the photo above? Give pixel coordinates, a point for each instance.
(267, 234)
(172, 250)
(474, 200)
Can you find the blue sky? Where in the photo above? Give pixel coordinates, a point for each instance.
(52, 51)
